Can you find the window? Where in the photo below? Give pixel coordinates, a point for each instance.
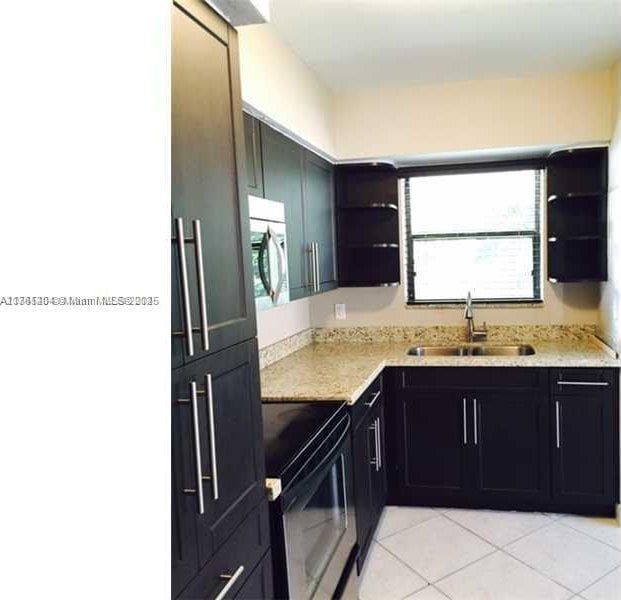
(477, 231)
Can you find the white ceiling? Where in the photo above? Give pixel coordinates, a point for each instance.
(360, 43)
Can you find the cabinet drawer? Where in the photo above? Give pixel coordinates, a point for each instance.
(367, 400)
(244, 549)
(575, 381)
(472, 377)
(260, 584)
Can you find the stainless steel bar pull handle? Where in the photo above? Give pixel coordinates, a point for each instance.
(465, 423)
(311, 267)
(476, 425)
(230, 582)
(185, 289)
(373, 428)
(558, 424)
(374, 399)
(197, 449)
(317, 276)
(585, 383)
(212, 438)
(378, 433)
(200, 272)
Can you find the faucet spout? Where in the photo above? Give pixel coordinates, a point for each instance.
(469, 313)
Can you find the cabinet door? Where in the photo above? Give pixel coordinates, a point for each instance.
(254, 164)
(207, 150)
(228, 408)
(184, 507)
(364, 463)
(585, 444)
(511, 449)
(319, 215)
(282, 167)
(432, 450)
(378, 475)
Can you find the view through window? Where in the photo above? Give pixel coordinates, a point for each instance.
(474, 231)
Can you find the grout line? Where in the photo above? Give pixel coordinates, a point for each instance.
(492, 543)
(409, 527)
(591, 536)
(501, 549)
(406, 564)
(598, 579)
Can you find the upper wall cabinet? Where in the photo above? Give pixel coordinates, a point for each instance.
(212, 300)
(254, 161)
(281, 170)
(368, 225)
(319, 225)
(577, 199)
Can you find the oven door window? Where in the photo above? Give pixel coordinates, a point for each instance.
(315, 526)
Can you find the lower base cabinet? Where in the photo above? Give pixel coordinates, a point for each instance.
(241, 567)
(507, 438)
(369, 465)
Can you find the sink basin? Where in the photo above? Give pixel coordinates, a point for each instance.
(473, 350)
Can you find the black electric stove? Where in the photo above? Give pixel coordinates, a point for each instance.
(292, 431)
(313, 519)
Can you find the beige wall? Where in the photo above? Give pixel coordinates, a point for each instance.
(430, 119)
(282, 322)
(278, 84)
(610, 316)
(473, 115)
(565, 304)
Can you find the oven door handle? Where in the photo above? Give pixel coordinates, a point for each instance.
(292, 492)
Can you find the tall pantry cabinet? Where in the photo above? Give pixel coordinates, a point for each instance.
(220, 533)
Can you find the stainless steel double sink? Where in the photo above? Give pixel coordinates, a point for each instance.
(473, 350)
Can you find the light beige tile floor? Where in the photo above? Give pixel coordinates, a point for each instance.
(435, 554)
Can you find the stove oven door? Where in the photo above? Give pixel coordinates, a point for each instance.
(319, 519)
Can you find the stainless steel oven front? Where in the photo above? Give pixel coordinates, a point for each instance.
(317, 532)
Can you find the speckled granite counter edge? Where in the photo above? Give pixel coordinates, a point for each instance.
(281, 349)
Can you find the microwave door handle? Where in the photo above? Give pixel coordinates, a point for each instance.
(261, 264)
(282, 266)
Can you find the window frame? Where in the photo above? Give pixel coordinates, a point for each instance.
(467, 168)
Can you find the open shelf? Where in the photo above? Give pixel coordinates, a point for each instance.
(577, 260)
(577, 208)
(571, 195)
(373, 205)
(374, 245)
(368, 226)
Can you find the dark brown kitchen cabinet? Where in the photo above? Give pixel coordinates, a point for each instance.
(432, 445)
(254, 159)
(238, 569)
(212, 301)
(304, 183)
(585, 437)
(215, 483)
(511, 445)
(369, 465)
(319, 221)
(282, 168)
(368, 225)
(577, 181)
(508, 438)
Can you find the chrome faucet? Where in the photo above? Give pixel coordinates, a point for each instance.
(474, 334)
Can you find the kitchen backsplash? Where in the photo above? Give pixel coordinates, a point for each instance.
(429, 335)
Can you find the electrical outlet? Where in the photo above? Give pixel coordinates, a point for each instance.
(339, 312)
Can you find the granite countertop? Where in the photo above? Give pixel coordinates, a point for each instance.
(343, 370)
